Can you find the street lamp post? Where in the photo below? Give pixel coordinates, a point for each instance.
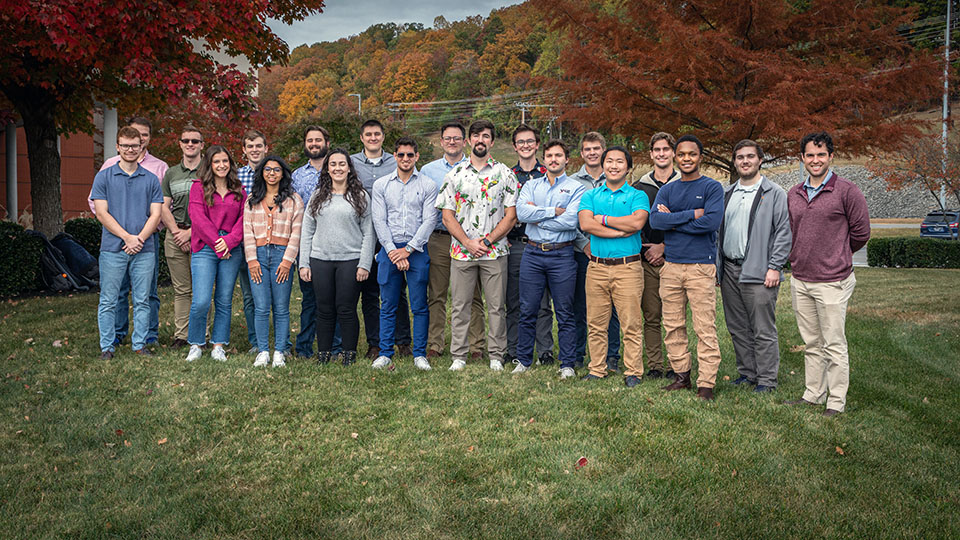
(359, 102)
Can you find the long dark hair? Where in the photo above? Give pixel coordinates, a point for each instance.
(356, 195)
(259, 189)
(207, 177)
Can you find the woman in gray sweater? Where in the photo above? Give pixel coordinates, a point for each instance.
(336, 250)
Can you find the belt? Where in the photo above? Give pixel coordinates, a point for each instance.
(614, 261)
(441, 231)
(549, 246)
(738, 262)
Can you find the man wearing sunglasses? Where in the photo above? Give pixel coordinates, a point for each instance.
(404, 216)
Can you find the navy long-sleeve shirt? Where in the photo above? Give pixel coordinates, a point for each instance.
(688, 240)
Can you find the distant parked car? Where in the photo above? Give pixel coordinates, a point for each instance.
(941, 224)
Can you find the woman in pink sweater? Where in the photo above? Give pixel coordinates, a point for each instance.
(216, 212)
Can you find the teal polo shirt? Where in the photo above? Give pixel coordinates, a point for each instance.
(619, 203)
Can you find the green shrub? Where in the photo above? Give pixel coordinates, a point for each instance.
(19, 259)
(913, 252)
(86, 231)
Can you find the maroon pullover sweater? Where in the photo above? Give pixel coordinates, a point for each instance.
(827, 230)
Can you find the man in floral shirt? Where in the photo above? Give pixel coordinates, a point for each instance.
(478, 201)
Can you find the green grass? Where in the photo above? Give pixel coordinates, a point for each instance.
(334, 452)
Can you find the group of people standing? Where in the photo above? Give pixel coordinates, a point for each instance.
(617, 262)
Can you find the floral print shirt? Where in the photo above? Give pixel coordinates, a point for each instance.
(479, 200)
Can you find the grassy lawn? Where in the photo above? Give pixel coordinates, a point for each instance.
(162, 448)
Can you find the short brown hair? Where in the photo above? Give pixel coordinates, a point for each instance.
(192, 129)
(593, 136)
(128, 132)
(557, 142)
(252, 135)
(747, 143)
(663, 136)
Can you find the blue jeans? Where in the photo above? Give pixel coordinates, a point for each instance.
(123, 315)
(243, 276)
(115, 267)
(206, 271)
(539, 270)
(391, 289)
(580, 313)
(268, 293)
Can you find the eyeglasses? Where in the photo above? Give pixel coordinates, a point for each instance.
(452, 139)
(526, 142)
(406, 154)
(277, 170)
(191, 141)
(129, 146)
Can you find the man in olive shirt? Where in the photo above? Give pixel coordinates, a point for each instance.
(176, 196)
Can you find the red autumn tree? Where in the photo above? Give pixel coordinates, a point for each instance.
(60, 57)
(918, 162)
(768, 70)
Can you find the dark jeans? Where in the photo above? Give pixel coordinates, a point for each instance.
(336, 290)
(580, 313)
(370, 305)
(538, 270)
(391, 290)
(544, 338)
(308, 319)
(123, 312)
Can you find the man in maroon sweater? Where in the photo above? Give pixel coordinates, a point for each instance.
(829, 221)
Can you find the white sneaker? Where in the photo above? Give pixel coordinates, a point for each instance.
(263, 359)
(567, 372)
(520, 369)
(496, 365)
(218, 353)
(457, 365)
(278, 359)
(421, 363)
(381, 362)
(195, 353)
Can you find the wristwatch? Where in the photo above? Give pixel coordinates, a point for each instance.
(486, 241)
(408, 248)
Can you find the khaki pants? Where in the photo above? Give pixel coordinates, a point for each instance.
(821, 310)
(439, 248)
(652, 331)
(464, 275)
(619, 286)
(695, 284)
(179, 264)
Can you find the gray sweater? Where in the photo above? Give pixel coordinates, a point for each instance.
(337, 234)
(768, 236)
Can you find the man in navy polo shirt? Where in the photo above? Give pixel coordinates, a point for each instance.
(613, 215)
(128, 200)
(549, 205)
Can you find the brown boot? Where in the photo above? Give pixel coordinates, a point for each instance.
(705, 393)
(682, 382)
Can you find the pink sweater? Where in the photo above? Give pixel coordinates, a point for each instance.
(827, 230)
(226, 214)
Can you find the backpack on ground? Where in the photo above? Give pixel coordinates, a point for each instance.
(54, 270)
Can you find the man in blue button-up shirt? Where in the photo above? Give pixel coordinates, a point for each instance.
(549, 205)
(404, 215)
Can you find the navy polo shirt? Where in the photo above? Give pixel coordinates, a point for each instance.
(128, 197)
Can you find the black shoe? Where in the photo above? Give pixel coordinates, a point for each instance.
(144, 352)
(323, 357)
(577, 364)
(509, 359)
(830, 413)
(761, 389)
(743, 380)
(612, 366)
(682, 382)
(671, 374)
(654, 374)
(179, 343)
(404, 350)
(631, 381)
(590, 377)
(547, 358)
(349, 357)
(106, 355)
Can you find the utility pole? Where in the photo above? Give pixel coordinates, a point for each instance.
(946, 107)
(522, 105)
(359, 102)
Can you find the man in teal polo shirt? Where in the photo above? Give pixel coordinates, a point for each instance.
(613, 215)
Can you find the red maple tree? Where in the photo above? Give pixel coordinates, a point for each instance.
(768, 70)
(919, 162)
(59, 58)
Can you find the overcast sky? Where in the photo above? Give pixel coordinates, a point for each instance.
(343, 18)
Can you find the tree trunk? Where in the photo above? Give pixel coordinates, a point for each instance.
(37, 108)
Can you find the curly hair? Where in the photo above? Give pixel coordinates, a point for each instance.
(259, 189)
(355, 195)
(207, 177)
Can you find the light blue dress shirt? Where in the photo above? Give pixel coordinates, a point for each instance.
(404, 213)
(543, 225)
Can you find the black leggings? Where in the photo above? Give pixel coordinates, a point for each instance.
(337, 290)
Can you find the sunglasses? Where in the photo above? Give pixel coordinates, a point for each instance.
(191, 141)
(406, 154)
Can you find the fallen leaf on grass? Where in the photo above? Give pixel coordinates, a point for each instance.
(793, 372)
(109, 444)
(354, 435)
(925, 400)
(734, 473)
(581, 463)
(840, 451)
(162, 441)
(19, 431)
(57, 343)
(119, 432)
(28, 341)
(490, 395)
(726, 377)
(797, 348)
(650, 401)
(937, 334)
(530, 421)
(127, 443)
(471, 448)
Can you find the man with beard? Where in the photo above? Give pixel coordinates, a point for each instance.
(315, 144)
(478, 200)
(549, 205)
(372, 163)
(254, 150)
